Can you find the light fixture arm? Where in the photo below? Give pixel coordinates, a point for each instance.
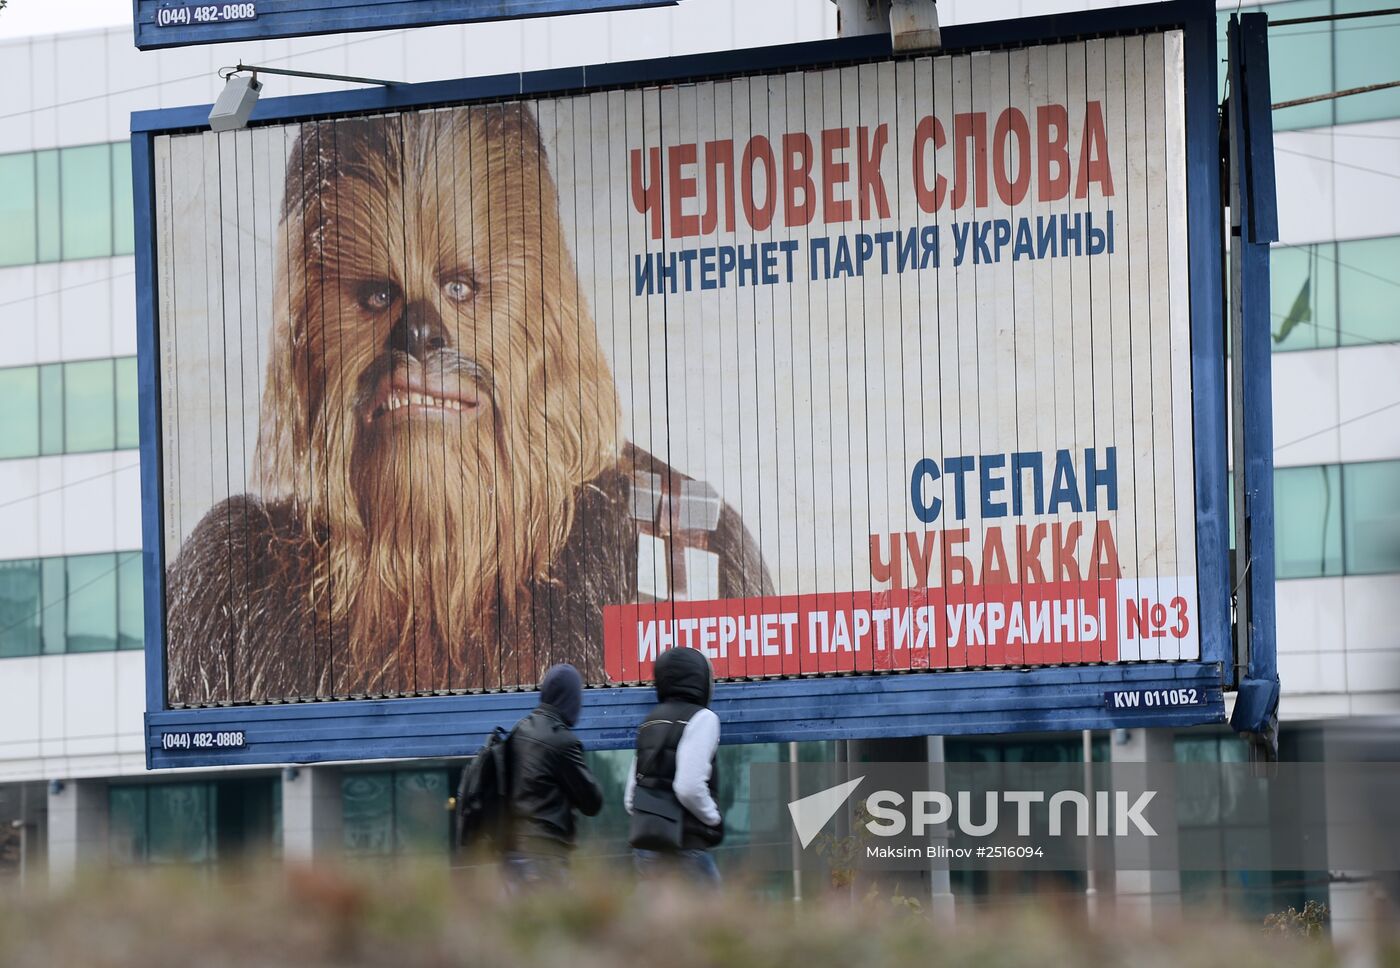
(291, 73)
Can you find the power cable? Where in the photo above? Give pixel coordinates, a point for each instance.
(1334, 132)
(1288, 32)
(1338, 425)
(1333, 17)
(1341, 164)
(1357, 269)
(1335, 95)
(63, 289)
(1362, 340)
(192, 77)
(58, 487)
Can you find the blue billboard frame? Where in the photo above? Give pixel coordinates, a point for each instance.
(305, 18)
(780, 710)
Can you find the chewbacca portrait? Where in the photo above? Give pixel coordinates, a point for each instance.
(441, 498)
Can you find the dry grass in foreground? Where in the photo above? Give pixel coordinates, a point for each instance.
(404, 919)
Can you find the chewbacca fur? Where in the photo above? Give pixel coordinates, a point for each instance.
(427, 552)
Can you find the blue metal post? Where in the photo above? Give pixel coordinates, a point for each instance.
(1254, 224)
(148, 382)
(1208, 390)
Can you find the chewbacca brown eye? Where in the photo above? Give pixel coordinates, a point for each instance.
(459, 288)
(378, 295)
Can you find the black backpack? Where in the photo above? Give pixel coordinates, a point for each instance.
(483, 796)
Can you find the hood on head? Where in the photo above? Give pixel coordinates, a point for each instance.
(684, 674)
(562, 689)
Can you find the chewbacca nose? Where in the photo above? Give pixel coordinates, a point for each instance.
(419, 331)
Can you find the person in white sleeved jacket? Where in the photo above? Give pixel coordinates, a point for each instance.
(675, 756)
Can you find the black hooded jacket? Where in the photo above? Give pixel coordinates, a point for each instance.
(549, 779)
(683, 687)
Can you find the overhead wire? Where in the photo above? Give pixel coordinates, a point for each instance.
(68, 288)
(67, 484)
(1340, 164)
(1338, 425)
(193, 77)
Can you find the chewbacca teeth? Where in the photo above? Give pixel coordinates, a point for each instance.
(398, 399)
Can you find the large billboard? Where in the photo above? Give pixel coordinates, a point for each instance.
(824, 371)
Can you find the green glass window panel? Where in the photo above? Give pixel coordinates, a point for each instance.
(18, 223)
(1372, 513)
(19, 412)
(123, 228)
(1369, 290)
(1198, 789)
(89, 406)
(816, 751)
(126, 823)
(1308, 512)
(130, 624)
(1303, 296)
(367, 805)
(53, 622)
(742, 812)
(243, 816)
(607, 832)
(180, 823)
(421, 820)
(51, 409)
(47, 213)
(1366, 54)
(1300, 63)
(969, 751)
(86, 194)
(92, 603)
(19, 608)
(128, 433)
(1243, 796)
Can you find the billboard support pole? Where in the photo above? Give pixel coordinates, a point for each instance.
(911, 24)
(1253, 225)
(1091, 887)
(942, 902)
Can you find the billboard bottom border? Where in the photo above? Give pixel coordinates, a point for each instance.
(1056, 699)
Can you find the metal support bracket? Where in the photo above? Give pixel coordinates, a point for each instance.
(912, 24)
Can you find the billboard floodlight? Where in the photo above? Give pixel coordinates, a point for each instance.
(235, 103)
(234, 106)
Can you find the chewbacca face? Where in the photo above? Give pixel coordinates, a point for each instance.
(436, 393)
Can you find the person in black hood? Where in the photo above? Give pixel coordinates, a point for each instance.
(675, 759)
(549, 780)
